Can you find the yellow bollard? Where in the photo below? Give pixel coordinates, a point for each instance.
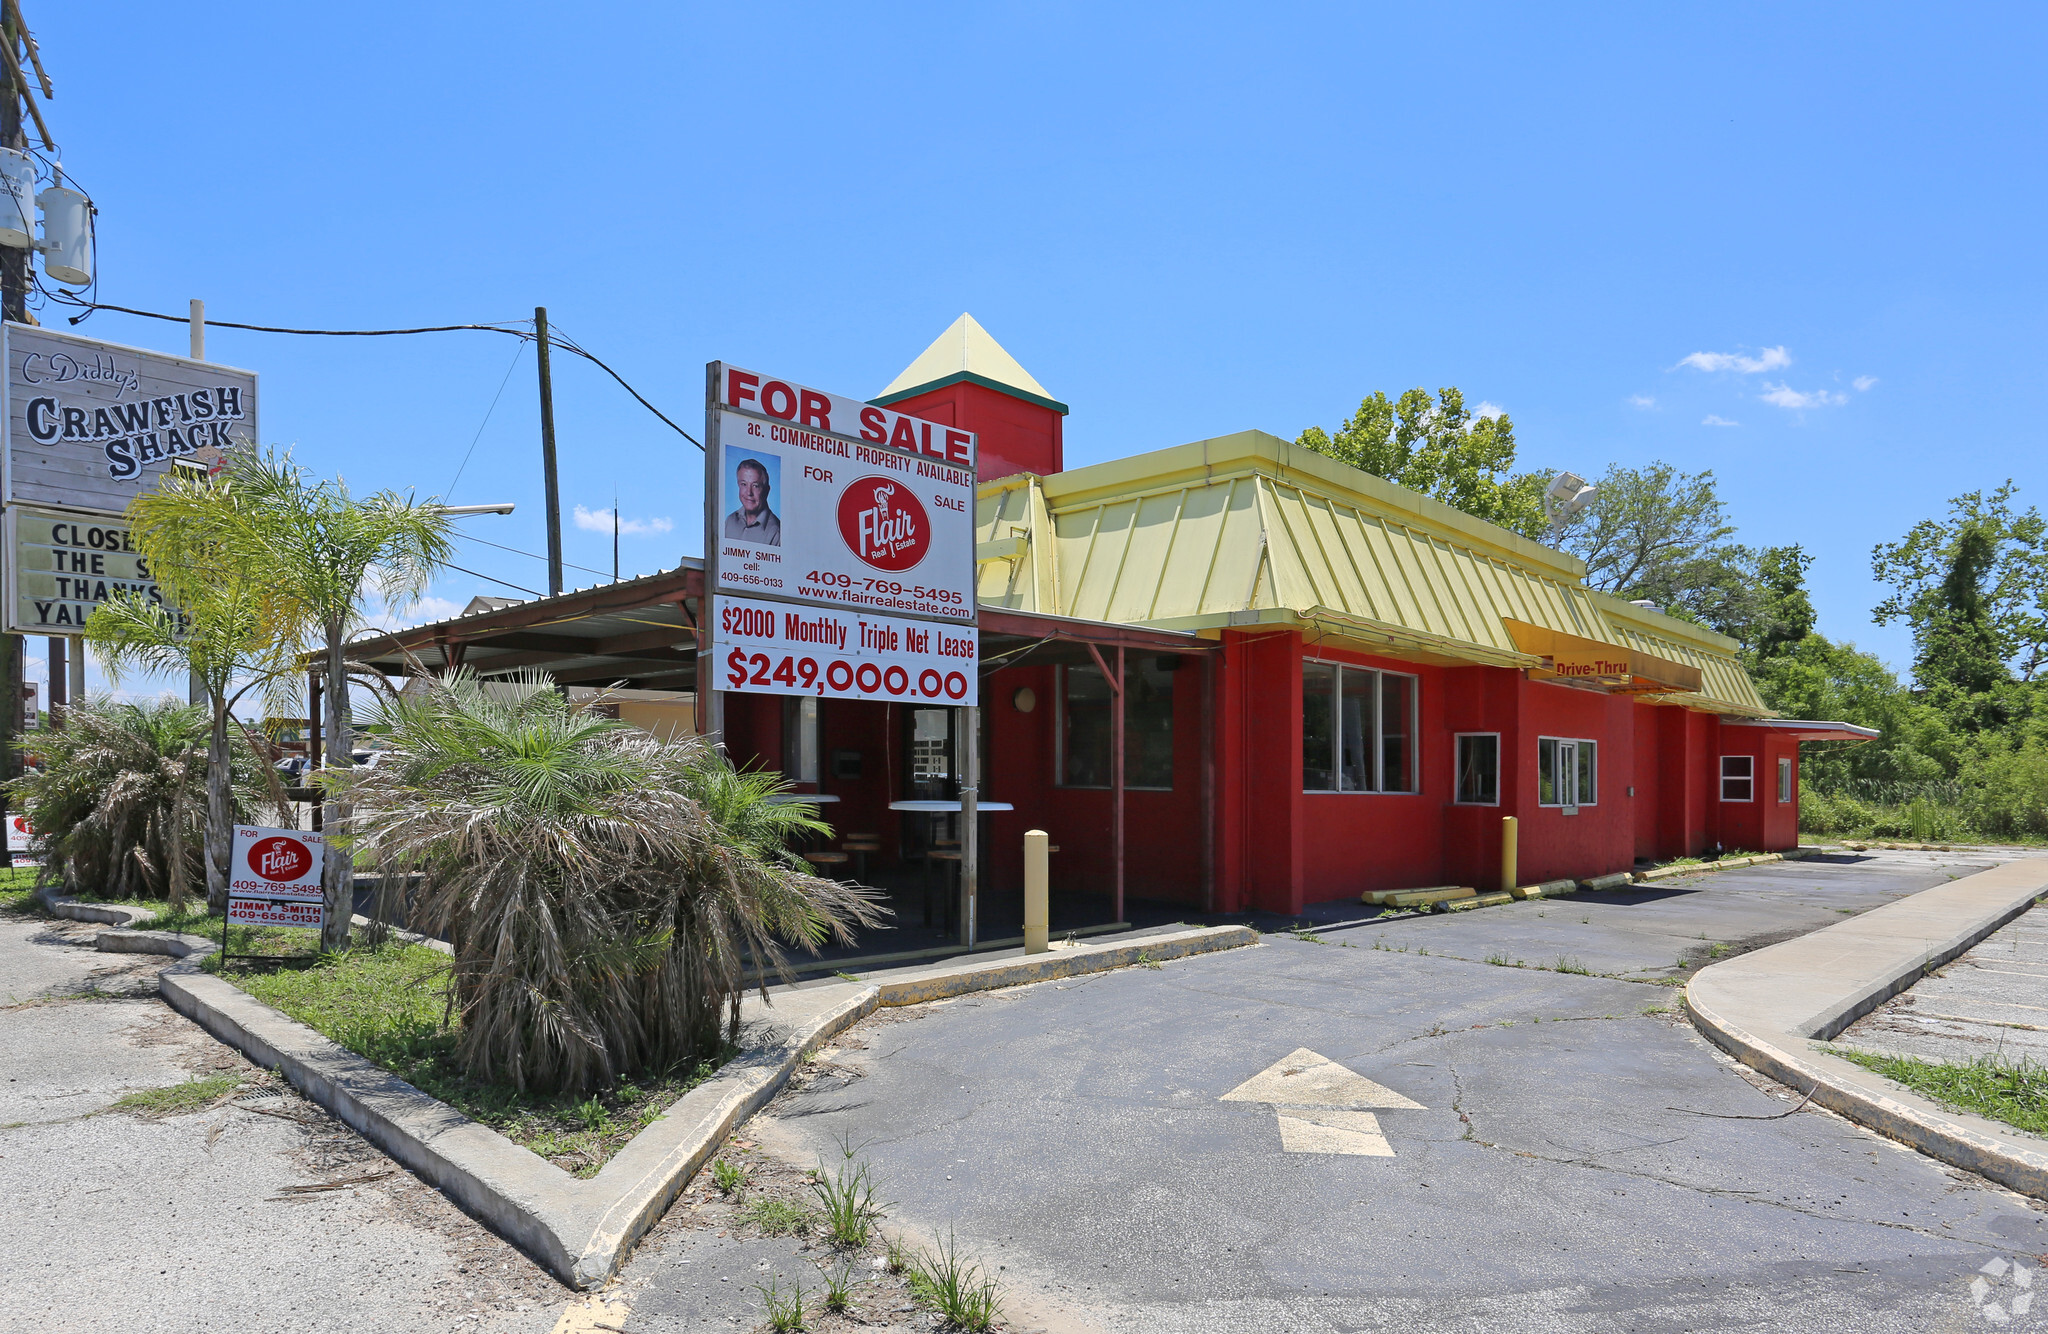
(1508, 841)
(1036, 877)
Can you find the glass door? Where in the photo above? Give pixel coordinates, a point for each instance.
(1568, 776)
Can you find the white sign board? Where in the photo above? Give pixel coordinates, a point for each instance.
(20, 838)
(60, 566)
(776, 648)
(277, 912)
(275, 863)
(820, 498)
(90, 424)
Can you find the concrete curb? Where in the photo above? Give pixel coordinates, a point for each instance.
(85, 910)
(582, 1230)
(1773, 1010)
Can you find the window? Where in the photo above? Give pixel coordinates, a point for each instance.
(1567, 772)
(1479, 768)
(1784, 780)
(1738, 778)
(800, 738)
(1357, 729)
(1148, 724)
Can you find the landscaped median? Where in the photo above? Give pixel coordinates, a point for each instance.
(1775, 1008)
(580, 1223)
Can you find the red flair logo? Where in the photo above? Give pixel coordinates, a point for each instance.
(280, 859)
(884, 524)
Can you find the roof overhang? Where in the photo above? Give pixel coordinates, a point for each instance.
(1614, 668)
(1805, 729)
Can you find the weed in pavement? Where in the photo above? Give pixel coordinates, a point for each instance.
(1499, 960)
(727, 1176)
(1304, 932)
(776, 1218)
(2015, 1092)
(1565, 965)
(846, 1195)
(194, 1095)
(962, 1293)
(901, 1257)
(785, 1305)
(1145, 960)
(839, 1286)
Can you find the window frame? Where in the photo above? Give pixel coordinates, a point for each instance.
(1575, 742)
(1458, 768)
(1059, 735)
(1747, 777)
(1376, 746)
(1785, 784)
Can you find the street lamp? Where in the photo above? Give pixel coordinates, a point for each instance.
(457, 511)
(1567, 494)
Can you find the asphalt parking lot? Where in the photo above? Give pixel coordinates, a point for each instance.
(1577, 1159)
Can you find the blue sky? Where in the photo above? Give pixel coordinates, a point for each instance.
(1818, 224)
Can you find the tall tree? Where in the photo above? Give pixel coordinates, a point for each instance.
(1439, 448)
(315, 548)
(1974, 585)
(1647, 529)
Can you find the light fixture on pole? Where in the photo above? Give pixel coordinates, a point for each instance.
(457, 511)
(1567, 494)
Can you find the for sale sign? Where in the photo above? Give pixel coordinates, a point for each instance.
(819, 498)
(20, 837)
(276, 912)
(275, 863)
(777, 648)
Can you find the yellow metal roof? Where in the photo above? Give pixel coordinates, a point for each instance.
(1249, 529)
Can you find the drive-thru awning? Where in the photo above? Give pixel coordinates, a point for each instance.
(1615, 668)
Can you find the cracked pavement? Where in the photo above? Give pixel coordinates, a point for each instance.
(1585, 1161)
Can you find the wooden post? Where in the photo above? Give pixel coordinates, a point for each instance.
(1208, 806)
(1116, 779)
(547, 452)
(969, 718)
(60, 680)
(313, 743)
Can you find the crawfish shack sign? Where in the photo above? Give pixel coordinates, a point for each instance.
(90, 424)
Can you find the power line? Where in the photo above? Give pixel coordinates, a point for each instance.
(495, 579)
(566, 344)
(517, 352)
(535, 555)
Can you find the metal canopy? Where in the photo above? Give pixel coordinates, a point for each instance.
(640, 633)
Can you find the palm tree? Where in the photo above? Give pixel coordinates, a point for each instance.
(216, 636)
(605, 889)
(314, 548)
(119, 804)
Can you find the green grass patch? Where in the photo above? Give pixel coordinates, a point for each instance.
(776, 1218)
(2015, 1092)
(176, 1099)
(16, 884)
(389, 1005)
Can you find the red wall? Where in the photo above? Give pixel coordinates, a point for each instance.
(1763, 824)
(1014, 436)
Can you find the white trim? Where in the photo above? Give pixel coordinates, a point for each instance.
(1594, 742)
(1748, 777)
(1788, 783)
(1457, 778)
(1378, 738)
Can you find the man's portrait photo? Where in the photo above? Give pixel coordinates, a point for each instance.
(747, 489)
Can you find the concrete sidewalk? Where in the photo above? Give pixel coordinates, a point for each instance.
(1775, 1009)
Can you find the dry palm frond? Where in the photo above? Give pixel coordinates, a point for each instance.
(602, 886)
(120, 804)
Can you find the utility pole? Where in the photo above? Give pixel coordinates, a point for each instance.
(14, 289)
(195, 689)
(615, 537)
(547, 453)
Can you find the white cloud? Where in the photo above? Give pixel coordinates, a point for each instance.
(1643, 401)
(1785, 396)
(600, 521)
(1770, 359)
(1863, 382)
(1488, 410)
(1715, 419)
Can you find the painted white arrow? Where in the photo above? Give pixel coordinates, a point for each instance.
(1322, 1106)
